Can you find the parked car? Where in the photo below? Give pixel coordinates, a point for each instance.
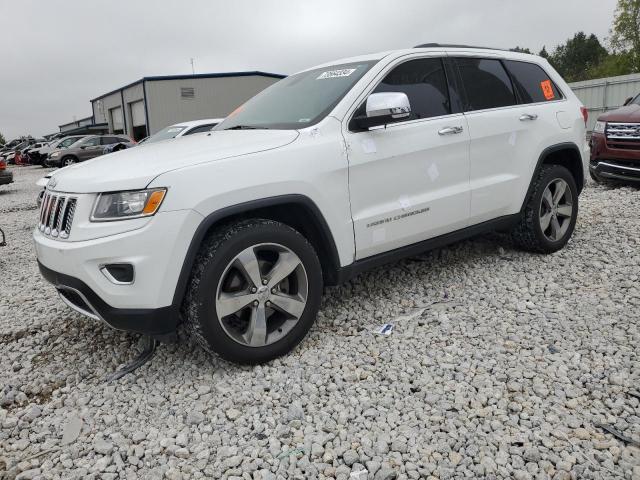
(87, 148)
(615, 145)
(37, 156)
(183, 129)
(117, 146)
(6, 176)
(321, 176)
(60, 144)
(9, 156)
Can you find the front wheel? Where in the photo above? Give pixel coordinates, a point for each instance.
(551, 212)
(254, 291)
(66, 161)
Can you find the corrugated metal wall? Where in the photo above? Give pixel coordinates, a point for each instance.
(603, 94)
(212, 98)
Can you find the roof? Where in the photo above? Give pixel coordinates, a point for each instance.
(77, 122)
(255, 73)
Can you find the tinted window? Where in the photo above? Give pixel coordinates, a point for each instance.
(201, 128)
(532, 82)
(486, 83)
(110, 140)
(425, 84)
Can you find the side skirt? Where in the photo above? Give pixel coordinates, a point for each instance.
(503, 223)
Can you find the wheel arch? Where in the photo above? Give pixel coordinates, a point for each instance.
(564, 154)
(297, 211)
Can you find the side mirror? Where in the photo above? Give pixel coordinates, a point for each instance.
(83, 147)
(383, 108)
(627, 101)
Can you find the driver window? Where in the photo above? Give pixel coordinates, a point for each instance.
(424, 82)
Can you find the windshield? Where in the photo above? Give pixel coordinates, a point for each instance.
(636, 101)
(297, 101)
(165, 134)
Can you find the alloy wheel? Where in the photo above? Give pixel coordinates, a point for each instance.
(556, 210)
(261, 294)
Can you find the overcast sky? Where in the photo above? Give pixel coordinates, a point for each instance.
(56, 55)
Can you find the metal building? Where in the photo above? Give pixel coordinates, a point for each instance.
(148, 105)
(84, 126)
(603, 94)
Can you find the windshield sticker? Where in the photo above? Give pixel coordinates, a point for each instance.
(345, 72)
(547, 89)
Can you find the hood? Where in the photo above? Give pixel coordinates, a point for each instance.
(630, 114)
(135, 168)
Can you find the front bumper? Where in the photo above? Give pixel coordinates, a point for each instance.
(620, 163)
(156, 251)
(157, 322)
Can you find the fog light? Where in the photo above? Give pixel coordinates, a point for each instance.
(119, 273)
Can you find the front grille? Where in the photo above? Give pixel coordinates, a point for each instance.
(56, 214)
(625, 136)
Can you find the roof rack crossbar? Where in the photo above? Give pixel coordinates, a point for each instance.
(451, 45)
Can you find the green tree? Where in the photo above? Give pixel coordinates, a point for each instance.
(520, 50)
(625, 31)
(2, 140)
(543, 53)
(578, 56)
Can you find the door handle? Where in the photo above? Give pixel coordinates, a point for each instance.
(450, 131)
(528, 116)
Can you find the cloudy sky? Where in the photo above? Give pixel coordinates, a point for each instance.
(56, 55)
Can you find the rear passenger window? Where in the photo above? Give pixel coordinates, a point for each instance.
(532, 82)
(486, 83)
(425, 84)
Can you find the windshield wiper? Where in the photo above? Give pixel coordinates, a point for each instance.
(246, 127)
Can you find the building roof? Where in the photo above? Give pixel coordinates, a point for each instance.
(189, 77)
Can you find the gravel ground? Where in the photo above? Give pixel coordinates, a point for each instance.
(501, 365)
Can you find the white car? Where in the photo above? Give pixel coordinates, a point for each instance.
(182, 129)
(327, 173)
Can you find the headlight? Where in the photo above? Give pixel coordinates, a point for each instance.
(124, 205)
(599, 127)
(55, 154)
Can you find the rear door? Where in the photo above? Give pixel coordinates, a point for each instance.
(507, 135)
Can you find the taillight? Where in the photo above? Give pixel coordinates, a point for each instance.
(3, 165)
(585, 115)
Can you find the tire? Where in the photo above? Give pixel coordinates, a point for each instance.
(66, 161)
(218, 274)
(530, 233)
(594, 177)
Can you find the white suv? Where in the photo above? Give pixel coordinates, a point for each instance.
(327, 173)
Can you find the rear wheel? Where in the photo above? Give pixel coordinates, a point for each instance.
(254, 292)
(551, 212)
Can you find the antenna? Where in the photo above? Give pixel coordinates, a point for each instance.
(193, 68)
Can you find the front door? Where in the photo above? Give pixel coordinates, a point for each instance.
(409, 180)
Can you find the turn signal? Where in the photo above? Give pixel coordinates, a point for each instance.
(154, 202)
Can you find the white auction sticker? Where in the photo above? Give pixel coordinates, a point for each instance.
(345, 72)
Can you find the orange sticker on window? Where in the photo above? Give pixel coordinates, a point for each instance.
(547, 89)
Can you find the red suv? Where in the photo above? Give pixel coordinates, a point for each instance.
(615, 145)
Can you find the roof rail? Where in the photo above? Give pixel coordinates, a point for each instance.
(451, 45)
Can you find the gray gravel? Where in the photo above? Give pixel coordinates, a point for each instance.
(499, 366)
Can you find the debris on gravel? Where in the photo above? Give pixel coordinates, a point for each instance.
(501, 365)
